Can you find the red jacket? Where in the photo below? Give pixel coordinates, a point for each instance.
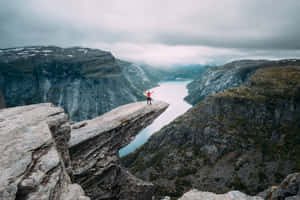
(148, 94)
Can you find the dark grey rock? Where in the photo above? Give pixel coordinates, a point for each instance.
(288, 189)
(2, 102)
(30, 164)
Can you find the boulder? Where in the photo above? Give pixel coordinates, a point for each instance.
(232, 195)
(288, 189)
(31, 164)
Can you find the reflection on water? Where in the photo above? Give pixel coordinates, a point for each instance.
(172, 92)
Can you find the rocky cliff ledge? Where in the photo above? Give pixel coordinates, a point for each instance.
(94, 147)
(31, 167)
(245, 138)
(42, 155)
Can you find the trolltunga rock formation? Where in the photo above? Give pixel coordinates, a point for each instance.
(40, 158)
(94, 147)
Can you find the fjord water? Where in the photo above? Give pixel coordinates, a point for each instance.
(172, 92)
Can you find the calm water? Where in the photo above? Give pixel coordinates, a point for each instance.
(172, 92)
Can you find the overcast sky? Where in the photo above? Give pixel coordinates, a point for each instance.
(158, 32)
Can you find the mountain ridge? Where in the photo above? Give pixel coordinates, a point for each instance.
(229, 75)
(85, 82)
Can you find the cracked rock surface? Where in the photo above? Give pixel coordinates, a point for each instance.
(41, 155)
(94, 147)
(31, 167)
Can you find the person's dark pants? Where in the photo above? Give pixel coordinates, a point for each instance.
(149, 100)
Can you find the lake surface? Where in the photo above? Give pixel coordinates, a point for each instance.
(172, 92)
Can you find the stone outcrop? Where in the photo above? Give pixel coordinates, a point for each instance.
(94, 147)
(43, 155)
(289, 189)
(245, 138)
(233, 74)
(31, 165)
(232, 195)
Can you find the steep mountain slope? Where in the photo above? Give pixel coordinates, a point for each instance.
(85, 82)
(174, 72)
(217, 79)
(246, 138)
(137, 76)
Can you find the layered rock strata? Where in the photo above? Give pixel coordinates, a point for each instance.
(94, 147)
(85, 82)
(30, 164)
(43, 155)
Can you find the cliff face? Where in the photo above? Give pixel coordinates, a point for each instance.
(2, 102)
(139, 78)
(85, 82)
(42, 154)
(94, 148)
(217, 79)
(245, 138)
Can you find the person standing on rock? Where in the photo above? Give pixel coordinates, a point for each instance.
(148, 94)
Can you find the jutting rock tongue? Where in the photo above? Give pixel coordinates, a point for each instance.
(94, 147)
(35, 162)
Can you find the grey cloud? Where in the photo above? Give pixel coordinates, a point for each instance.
(253, 27)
